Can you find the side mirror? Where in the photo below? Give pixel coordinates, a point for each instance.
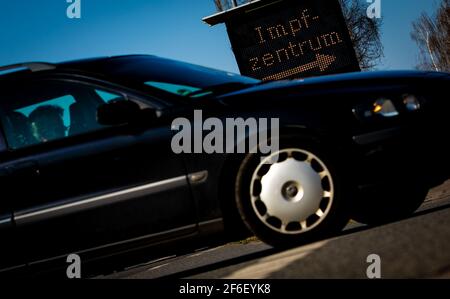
(118, 112)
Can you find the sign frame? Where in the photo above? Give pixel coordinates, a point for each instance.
(239, 19)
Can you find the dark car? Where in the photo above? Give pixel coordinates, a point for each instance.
(87, 164)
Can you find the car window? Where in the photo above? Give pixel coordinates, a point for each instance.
(52, 110)
(173, 88)
(3, 146)
(63, 102)
(174, 77)
(107, 96)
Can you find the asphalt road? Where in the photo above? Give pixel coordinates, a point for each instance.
(417, 247)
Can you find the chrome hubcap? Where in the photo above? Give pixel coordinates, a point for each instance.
(292, 191)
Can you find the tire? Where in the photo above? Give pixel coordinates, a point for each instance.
(288, 203)
(391, 203)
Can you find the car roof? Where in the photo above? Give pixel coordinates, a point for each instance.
(98, 64)
(105, 65)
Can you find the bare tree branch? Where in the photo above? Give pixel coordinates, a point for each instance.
(227, 4)
(432, 35)
(364, 32)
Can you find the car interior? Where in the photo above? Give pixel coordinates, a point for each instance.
(78, 103)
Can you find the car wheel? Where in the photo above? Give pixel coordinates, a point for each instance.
(389, 204)
(292, 196)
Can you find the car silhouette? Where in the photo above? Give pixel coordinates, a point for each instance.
(87, 165)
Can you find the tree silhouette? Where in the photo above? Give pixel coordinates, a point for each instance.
(227, 4)
(432, 35)
(364, 32)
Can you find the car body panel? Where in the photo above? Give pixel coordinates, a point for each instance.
(123, 188)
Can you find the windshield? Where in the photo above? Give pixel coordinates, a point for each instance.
(183, 79)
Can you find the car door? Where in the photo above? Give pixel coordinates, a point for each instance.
(92, 185)
(7, 241)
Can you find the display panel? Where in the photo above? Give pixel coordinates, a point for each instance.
(292, 39)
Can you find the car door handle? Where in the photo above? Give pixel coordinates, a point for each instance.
(24, 168)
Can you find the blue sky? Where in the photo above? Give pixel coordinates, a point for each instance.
(39, 30)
